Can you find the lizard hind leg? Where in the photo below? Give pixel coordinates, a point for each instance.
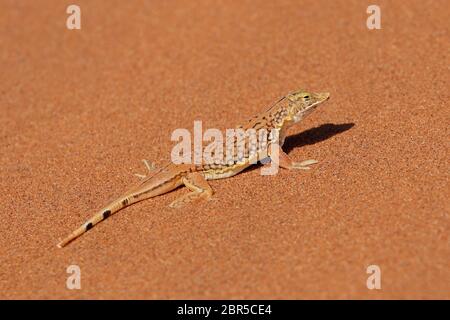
(199, 187)
(150, 168)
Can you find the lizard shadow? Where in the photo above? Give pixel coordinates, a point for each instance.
(315, 135)
(311, 136)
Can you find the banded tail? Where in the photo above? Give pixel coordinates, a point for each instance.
(160, 183)
(112, 208)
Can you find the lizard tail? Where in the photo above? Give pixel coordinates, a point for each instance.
(98, 217)
(149, 188)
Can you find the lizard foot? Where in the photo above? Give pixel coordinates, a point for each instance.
(187, 198)
(284, 161)
(303, 165)
(150, 167)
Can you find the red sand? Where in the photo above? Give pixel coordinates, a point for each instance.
(80, 109)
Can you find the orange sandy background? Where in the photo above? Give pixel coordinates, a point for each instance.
(81, 108)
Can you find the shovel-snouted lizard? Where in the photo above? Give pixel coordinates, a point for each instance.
(280, 116)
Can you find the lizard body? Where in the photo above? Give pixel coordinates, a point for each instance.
(279, 117)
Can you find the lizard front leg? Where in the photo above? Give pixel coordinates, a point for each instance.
(199, 187)
(285, 162)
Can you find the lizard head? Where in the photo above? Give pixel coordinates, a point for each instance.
(303, 103)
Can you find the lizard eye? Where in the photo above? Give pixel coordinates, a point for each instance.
(306, 97)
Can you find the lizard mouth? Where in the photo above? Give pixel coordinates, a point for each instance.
(323, 96)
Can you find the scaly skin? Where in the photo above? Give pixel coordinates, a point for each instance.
(282, 115)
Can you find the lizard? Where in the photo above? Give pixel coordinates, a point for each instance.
(281, 115)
